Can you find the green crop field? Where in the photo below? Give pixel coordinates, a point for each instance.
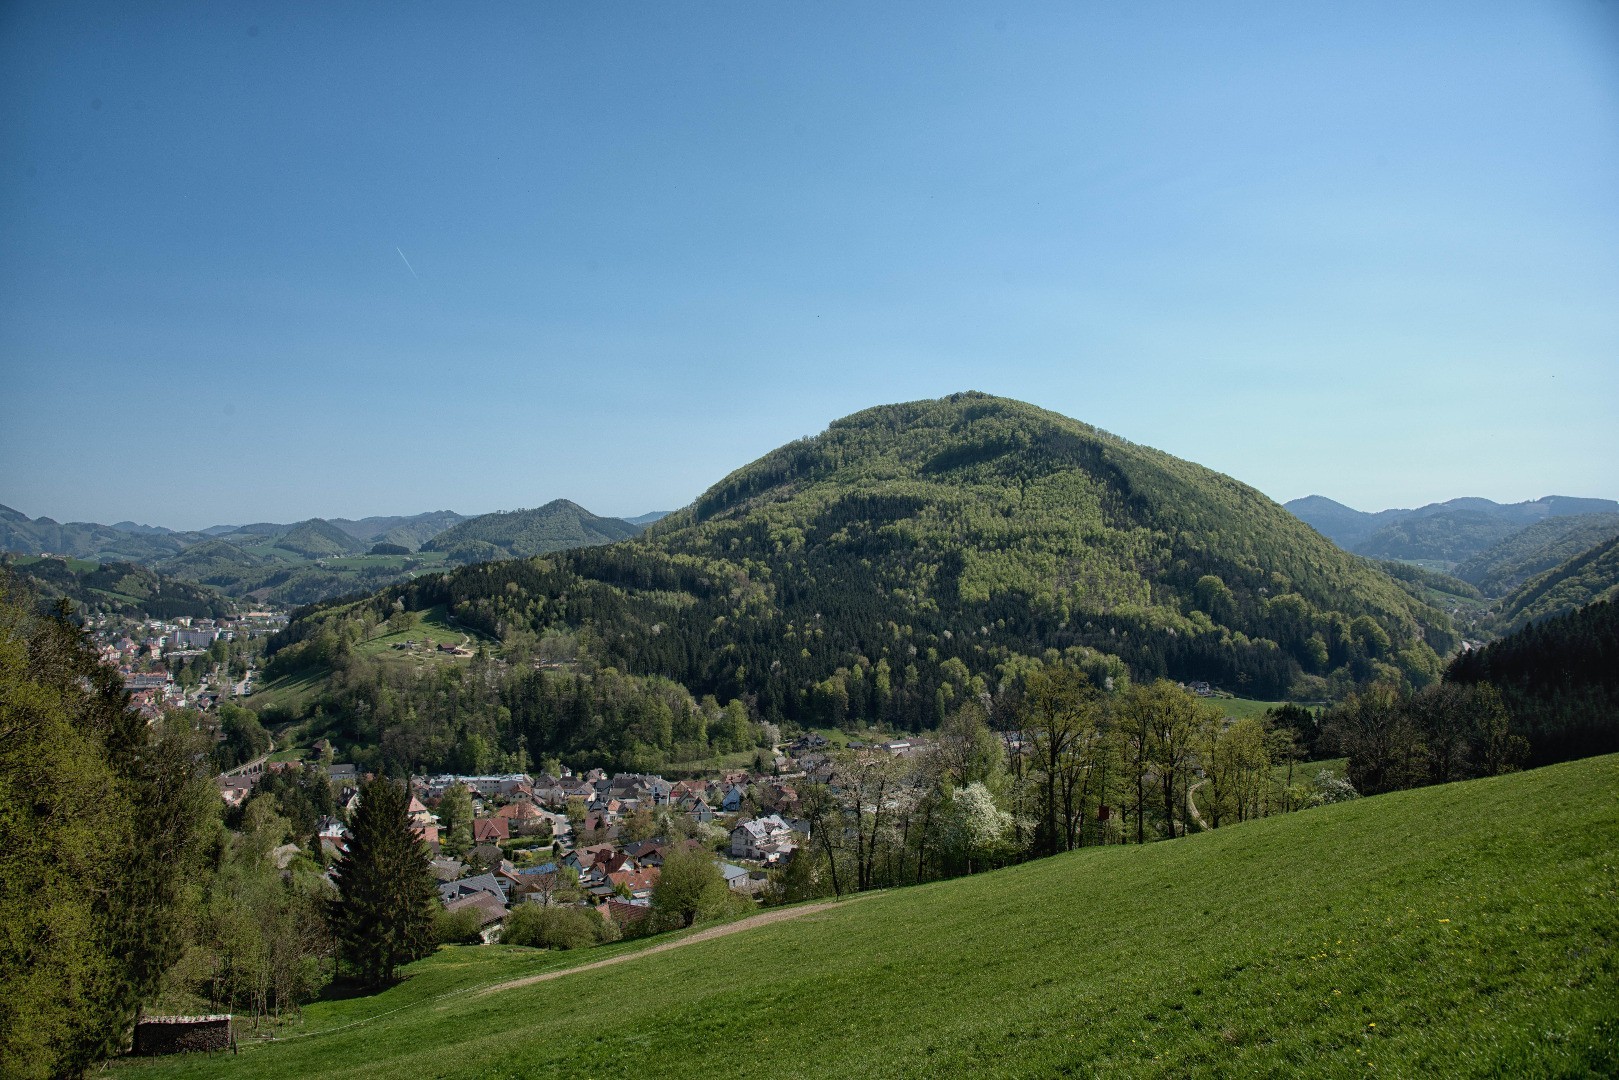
(1464, 930)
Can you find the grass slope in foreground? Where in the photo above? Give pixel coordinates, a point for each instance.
(1464, 930)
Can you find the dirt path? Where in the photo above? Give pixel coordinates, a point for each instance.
(749, 923)
(1191, 807)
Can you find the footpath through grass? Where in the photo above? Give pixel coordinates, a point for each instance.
(1465, 930)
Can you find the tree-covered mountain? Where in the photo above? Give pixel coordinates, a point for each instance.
(557, 525)
(1343, 525)
(1446, 537)
(914, 556)
(85, 540)
(1588, 577)
(1534, 550)
(122, 588)
(319, 539)
(412, 532)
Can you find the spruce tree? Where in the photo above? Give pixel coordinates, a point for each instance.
(383, 916)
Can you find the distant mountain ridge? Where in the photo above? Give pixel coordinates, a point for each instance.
(1449, 533)
(289, 562)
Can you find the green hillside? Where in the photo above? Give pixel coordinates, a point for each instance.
(1463, 930)
(116, 587)
(557, 525)
(1586, 578)
(916, 554)
(1535, 550)
(213, 562)
(1447, 537)
(316, 538)
(85, 540)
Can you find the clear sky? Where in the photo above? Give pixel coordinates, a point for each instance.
(268, 261)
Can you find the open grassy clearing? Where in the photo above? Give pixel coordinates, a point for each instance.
(1465, 930)
(289, 692)
(1239, 707)
(433, 626)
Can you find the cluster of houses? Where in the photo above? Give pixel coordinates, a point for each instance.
(580, 852)
(143, 652)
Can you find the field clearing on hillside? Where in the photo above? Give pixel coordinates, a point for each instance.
(1464, 930)
(433, 626)
(287, 692)
(1239, 707)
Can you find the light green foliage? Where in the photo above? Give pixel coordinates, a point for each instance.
(100, 819)
(689, 887)
(553, 926)
(458, 927)
(455, 818)
(1462, 930)
(974, 828)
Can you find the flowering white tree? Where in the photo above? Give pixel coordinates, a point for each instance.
(975, 826)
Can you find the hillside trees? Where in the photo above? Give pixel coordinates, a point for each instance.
(383, 916)
(1395, 738)
(1559, 681)
(100, 822)
(888, 570)
(689, 886)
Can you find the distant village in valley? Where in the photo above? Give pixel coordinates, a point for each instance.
(184, 662)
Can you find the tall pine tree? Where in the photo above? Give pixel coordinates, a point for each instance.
(383, 916)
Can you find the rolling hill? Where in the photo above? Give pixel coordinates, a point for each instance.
(317, 539)
(1462, 930)
(122, 588)
(86, 540)
(557, 525)
(1536, 549)
(1588, 577)
(914, 555)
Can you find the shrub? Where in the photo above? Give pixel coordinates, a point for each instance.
(457, 927)
(552, 926)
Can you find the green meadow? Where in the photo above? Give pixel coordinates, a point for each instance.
(1464, 930)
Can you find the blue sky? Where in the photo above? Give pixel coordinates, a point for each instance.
(263, 262)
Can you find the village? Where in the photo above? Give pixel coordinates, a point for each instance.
(159, 659)
(590, 839)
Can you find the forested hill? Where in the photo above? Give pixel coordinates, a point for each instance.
(1560, 679)
(557, 525)
(119, 587)
(1588, 577)
(915, 555)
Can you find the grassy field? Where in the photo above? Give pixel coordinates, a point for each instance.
(432, 625)
(1237, 707)
(287, 692)
(1465, 930)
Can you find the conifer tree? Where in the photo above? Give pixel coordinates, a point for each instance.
(383, 916)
